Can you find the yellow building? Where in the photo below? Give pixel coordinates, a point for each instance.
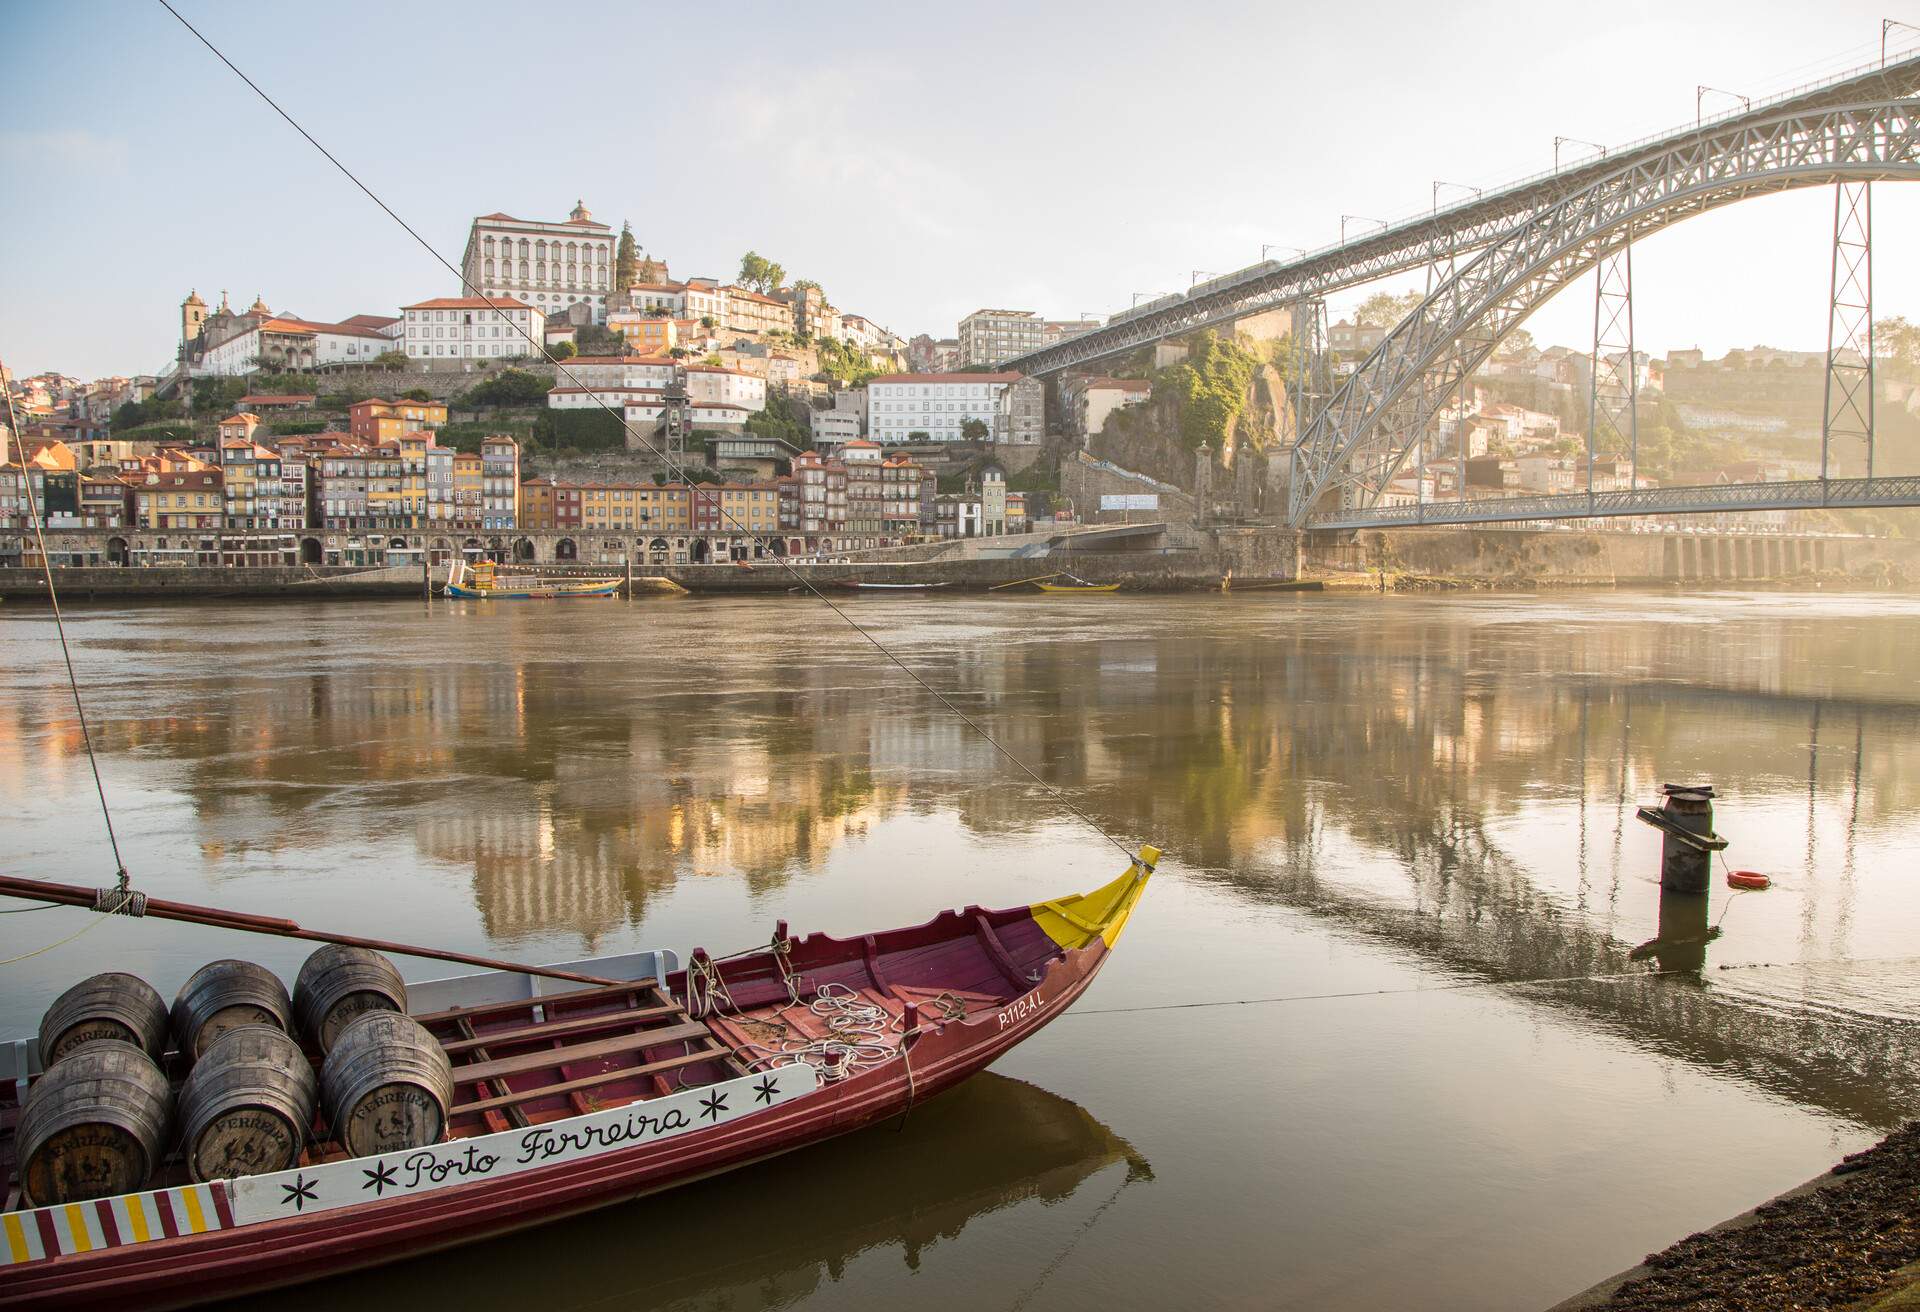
(650, 334)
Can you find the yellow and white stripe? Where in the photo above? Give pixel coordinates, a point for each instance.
(77, 1227)
(23, 1237)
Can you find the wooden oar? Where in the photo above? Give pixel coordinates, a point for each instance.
(1017, 582)
(75, 896)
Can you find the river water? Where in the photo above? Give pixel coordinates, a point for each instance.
(1416, 805)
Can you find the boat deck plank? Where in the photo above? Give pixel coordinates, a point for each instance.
(541, 1032)
(547, 1058)
(710, 1053)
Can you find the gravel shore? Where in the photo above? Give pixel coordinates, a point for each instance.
(1838, 1246)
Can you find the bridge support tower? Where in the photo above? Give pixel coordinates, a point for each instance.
(1848, 414)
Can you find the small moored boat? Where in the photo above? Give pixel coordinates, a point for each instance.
(485, 581)
(565, 1098)
(1077, 585)
(858, 586)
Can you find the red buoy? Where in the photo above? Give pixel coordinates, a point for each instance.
(1747, 879)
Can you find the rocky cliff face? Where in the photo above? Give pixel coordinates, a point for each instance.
(1228, 395)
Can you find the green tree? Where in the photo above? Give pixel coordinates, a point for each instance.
(707, 322)
(595, 339)
(509, 387)
(1897, 340)
(416, 394)
(759, 274)
(808, 284)
(783, 418)
(1517, 342)
(1384, 310)
(1212, 384)
(626, 260)
(390, 360)
(561, 351)
(974, 430)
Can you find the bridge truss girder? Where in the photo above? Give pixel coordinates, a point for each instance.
(1437, 238)
(1359, 442)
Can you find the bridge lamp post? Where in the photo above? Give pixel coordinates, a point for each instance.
(1886, 26)
(1361, 218)
(1478, 192)
(1700, 95)
(1573, 141)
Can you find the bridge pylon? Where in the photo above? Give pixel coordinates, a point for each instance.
(1613, 377)
(1848, 412)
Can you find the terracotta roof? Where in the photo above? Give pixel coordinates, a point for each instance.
(240, 418)
(1009, 377)
(575, 391)
(371, 320)
(469, 303)
(617, 359)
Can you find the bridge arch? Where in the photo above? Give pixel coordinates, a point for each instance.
(1360, 440)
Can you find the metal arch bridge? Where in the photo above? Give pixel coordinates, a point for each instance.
(1534, 237)
(1354, 446)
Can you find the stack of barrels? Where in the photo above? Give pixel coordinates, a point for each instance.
(103, 1116)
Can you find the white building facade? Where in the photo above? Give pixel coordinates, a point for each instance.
(549, 266)
(936, 405)
(713, 384)
(469, 328)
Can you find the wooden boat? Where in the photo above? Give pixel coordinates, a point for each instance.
(484, 581)
(890, 587)
(569, 1098)
(1078, 587)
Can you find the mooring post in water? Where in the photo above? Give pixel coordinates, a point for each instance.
(629, 578)
(426, 579)
(1687, 842)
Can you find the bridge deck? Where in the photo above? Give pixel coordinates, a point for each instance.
(1810, 494)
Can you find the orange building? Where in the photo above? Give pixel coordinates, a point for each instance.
(373, 420)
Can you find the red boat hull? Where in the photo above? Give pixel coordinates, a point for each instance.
(252, 1258)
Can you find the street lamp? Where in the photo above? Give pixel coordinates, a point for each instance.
(1700, 95)
(1363, 218)
(1461, 185)
(1572, 141)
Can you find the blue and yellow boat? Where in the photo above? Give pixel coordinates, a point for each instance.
(484, 581)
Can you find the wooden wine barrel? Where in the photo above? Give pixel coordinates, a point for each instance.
(386, 1085)
(339, 984)
(105, 1006)
(224, 995)
(94, 1125)
(247, 1106)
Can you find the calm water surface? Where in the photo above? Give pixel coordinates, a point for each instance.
(1384, 798)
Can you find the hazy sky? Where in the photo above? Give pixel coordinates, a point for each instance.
(918, 162)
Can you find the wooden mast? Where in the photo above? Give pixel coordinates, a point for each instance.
(218, 918)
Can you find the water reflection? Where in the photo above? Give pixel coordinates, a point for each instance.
(992, 1144)
(1452, 779)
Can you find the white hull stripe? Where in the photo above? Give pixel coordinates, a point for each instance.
(195, 1209)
